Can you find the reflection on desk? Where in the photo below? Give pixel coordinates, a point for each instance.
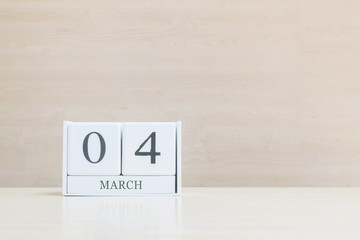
(138, 215)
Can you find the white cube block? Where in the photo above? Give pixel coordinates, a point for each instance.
(149, 149)
(94, 149)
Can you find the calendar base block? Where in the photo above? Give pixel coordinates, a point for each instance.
(120, 185)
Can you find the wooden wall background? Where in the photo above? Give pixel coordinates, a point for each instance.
(268, 91)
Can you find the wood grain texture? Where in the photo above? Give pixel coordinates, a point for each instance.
(268, 91)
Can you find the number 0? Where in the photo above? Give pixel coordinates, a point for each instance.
(102, 147)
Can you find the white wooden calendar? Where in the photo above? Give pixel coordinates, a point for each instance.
(115, 158)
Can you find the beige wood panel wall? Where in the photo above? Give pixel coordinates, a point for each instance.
(268, 91)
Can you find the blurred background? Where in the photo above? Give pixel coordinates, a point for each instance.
(268, 90)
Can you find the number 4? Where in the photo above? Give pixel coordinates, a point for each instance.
(152, 152)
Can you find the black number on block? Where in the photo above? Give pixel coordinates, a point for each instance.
(152, 152)
(102, 147)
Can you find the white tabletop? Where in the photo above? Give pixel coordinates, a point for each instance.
(200, 213)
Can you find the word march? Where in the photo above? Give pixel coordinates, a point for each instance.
(120, 184)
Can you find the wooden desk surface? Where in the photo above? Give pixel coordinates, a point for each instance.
(200, 213)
